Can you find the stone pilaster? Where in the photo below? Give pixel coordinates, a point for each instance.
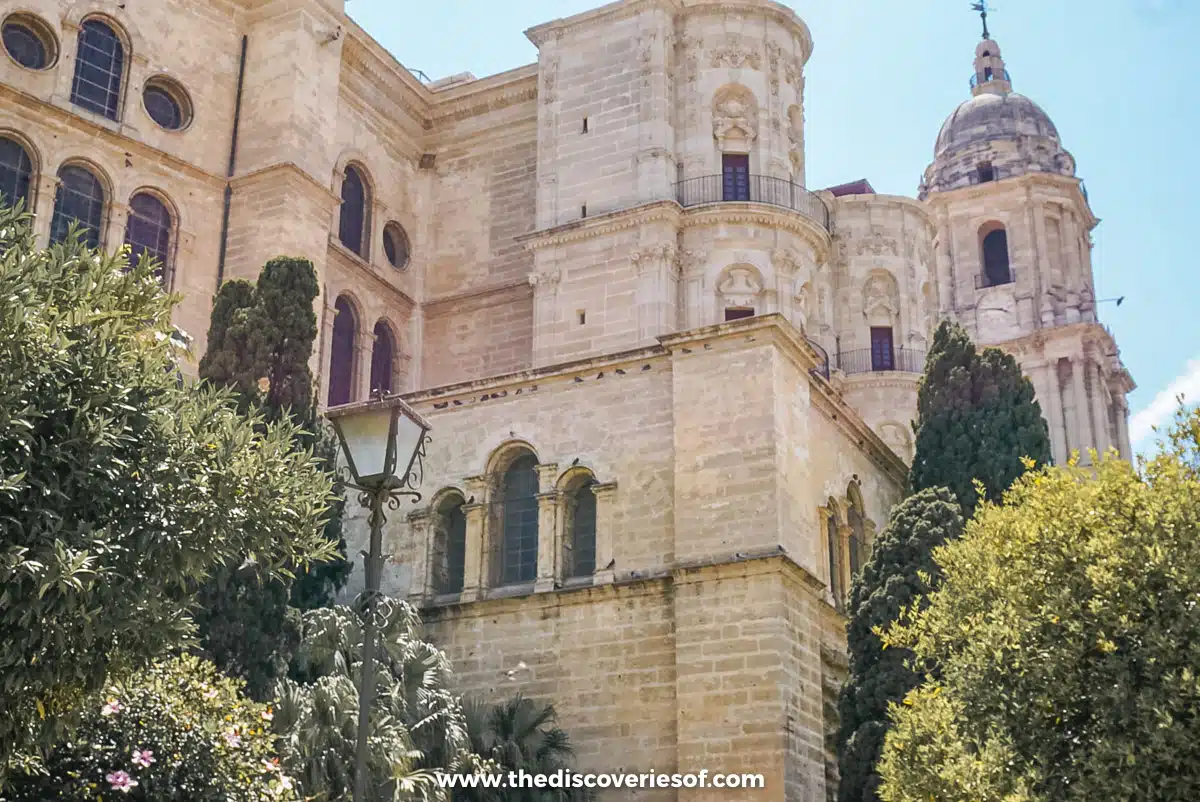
(549, 540)
(605, 532)
(476, 562)
(420, 535)
(658, 282)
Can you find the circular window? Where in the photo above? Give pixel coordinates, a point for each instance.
(167, 104)
(395, 245)
(29, 42)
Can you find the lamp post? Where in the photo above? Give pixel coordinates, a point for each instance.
(376, 437)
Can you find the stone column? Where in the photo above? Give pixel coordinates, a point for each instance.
(549, 543)
(1099, 410)
(364, 349)
(43, 206)
(112, 235)
(545, 314)
(1083, 437)
(420, 588)
(475, 562)
(843, 562)
(1041, 249)
(1123, 428)
(1050, 395)
(605, 534)
(690, 265)
(325, 347)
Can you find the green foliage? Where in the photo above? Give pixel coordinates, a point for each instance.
(898, 574)
(976, 420)
(260, 340)
(1067, 637)
(120, 488)
(177, 730)
(417, 725)
(227, 361)
(520, 735)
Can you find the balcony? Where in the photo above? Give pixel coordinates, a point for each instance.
(900, 360)
(977, 79)
(753, 189)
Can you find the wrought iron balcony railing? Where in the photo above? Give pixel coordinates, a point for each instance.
(753, 189)
(866, 360)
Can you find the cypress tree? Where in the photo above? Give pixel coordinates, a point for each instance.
(249, 626)
(977, 420)
(900, 570)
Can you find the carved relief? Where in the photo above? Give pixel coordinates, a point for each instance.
(548, 280)
(793, 73)
(689, 261)
(740, 286)
(929, 308)
(653, 256)
(550, 80)
(786, 261)
(773, 55)
(878, 244)
(735, 115)
(690, 60)
(898, 439)
(646, 50)
(881, 298)
(736, 55)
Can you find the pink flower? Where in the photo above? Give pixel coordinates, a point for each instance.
(233, 739)
(143, 758)
(121, 781)
(112, 707)
(267, 715)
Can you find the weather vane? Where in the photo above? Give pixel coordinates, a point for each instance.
(982, 8)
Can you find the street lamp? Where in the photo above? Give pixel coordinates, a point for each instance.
(377, 436)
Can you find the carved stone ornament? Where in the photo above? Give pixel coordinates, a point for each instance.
(548, 279)
(736, 55)
(735, 115)
(653, 256)
(740, 287)
(689, 261)
(786, 261)
(550, 81)
(793, 73)
(773, 54)
(877, 244)
(880, 297)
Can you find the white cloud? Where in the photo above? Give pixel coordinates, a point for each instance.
(1162, 409)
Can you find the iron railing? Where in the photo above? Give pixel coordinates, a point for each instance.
(753, 189)
(899, 360)
(822, 368)
(976, 79)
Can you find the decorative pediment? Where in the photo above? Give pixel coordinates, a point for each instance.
(877, 244)
(735, 114)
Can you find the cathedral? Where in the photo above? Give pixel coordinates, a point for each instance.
(671, 385)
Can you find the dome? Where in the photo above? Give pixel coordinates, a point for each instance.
(989, 117)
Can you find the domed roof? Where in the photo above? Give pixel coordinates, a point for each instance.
(991, 116)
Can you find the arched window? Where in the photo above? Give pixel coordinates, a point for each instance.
(519, 521)
(16, 173)
(99, 65)
(579, 541)
(383, 355)
(79, 199)
(341, 353)
(858, 534)
(835, 558)
(355, 217)
(450, 545)
(148, 232)
(995, 258)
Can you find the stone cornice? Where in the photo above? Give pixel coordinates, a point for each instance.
(487, 95)
(666, 211)
(779, 12)
(1026, 182)
(432, 305)
(894, 379)
(920, 207)
(36, 106)
(363, 53)
(1093, 334)
(613, 12)
(292, 171)
(764, 215)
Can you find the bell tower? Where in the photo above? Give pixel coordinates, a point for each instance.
(1014, 255)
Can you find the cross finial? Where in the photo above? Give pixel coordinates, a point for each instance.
(982, 8)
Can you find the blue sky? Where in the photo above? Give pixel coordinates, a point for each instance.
(1114, 75)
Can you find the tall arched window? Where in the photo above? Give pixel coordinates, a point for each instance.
(450, 545)
(579, 541)
(519, 521)
(835, 558)
(383, 356)
(99, 65)
(79, 199)
(148, 232)
(995, 258)
(355, 216)
(858, 534)
(16, 173)
(341, 353)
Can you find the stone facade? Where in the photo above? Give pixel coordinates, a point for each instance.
(602, 274)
